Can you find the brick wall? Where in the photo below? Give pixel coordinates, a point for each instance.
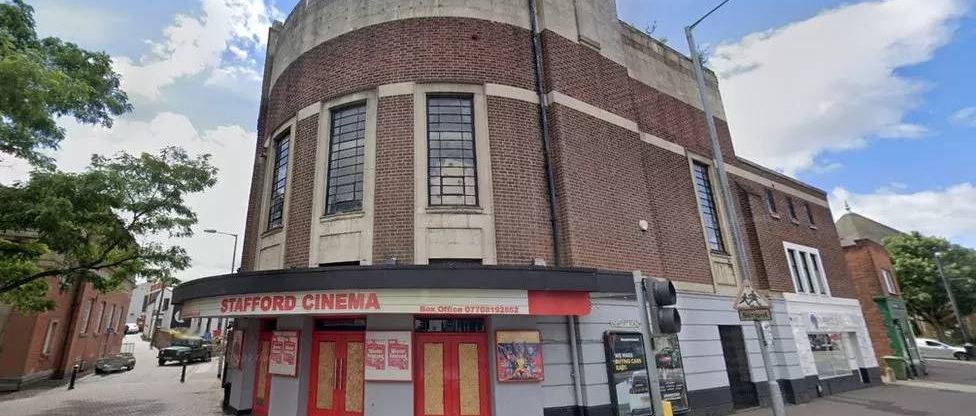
(21, 349)
(603, 194)
(607, 178)
(865, 260)
(523, 230)
(770, 232)
(302, 184)
(393, 212)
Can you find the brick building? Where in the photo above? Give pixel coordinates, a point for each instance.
(877, 288)
(408, 191)
(83, 326)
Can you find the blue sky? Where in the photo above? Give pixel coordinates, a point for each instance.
(872, 101)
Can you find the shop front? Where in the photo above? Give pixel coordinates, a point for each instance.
(375, 347)
(832, 342)
(900, 333)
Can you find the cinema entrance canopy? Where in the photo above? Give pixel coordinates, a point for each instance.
(364, 334)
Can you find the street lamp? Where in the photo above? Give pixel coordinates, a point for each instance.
(775, 395)
(952, 297)
(233, 257)
(220, 322)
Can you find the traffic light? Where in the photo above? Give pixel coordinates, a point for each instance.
(661, 299)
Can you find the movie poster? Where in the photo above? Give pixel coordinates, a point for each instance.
(519, 356)
(627, 370)
(283, 358)
(388, 356)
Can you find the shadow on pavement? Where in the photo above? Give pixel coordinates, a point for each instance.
(106, 408)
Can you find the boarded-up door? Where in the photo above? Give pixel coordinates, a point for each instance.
(262, 380)
(451, 375)
(337, 374)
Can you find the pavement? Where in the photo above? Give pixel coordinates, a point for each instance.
(949, 389)
(145, 390)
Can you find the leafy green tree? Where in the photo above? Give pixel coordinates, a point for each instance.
(42, 79)
(921, 286)
(100, 226)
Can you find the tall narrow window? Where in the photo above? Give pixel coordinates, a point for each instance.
(279, 178)
(807, 269)
(452, 168)
(770, 201)
(709, 211)
(809, 213)
(101, 317)
(346, 155)
(791, 207)
(86, 315)
(52, 330)
(889, 282)
(797, 277)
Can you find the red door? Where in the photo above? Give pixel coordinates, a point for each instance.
(337, 374)
(262, 381)
(451, 375)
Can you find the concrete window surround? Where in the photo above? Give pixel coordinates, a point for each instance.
(271, 243)
(725, 270)
(822, 280)
(348, 236)
(453, 232)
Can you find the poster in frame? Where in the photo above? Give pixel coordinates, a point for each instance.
(283, 357)
(518, 356)
(235, 348)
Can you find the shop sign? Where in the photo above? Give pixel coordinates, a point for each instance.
(283, 358)
(413, 301)
(518, 356)
(388, 356)
(627, 372)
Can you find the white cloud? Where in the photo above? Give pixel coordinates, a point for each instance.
(948, 212)
(903, 131)
(222, 207)
(965, 116)
(193, 45)
(829, 82)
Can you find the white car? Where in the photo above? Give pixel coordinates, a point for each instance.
(131, 328)
(930, 348)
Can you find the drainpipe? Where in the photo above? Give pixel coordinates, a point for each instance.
(540, 83)
(72, 326)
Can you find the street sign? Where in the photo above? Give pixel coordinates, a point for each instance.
(752, 306)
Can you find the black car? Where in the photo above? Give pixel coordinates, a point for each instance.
(185, 350)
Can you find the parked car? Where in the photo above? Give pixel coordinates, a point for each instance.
(131, 328)
(930, 348)
(115, 362)
(185, 350)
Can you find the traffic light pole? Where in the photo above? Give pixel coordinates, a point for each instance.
(650, 360)
(731, 218)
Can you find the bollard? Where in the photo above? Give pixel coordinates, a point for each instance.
(183, 373)
(74, 375)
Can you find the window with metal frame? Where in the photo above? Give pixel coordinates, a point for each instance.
(806, 269)
(709, 210)
(791, 207)
(452, 165)
(279, 179)
(347, 144)
(889, 282)
(771, 201)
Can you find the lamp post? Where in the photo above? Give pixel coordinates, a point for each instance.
(776, 396)
(952, 297)
(220, 322)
